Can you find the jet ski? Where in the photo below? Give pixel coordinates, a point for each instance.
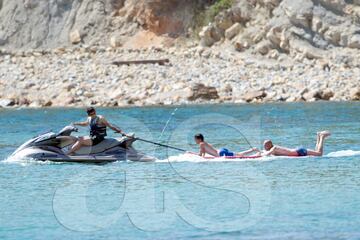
(52, 146)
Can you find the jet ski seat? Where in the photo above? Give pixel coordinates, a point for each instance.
(106, 144)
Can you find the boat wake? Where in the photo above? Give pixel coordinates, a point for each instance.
(26, 161)
(194, 158)
(343, 153)
(30, 161)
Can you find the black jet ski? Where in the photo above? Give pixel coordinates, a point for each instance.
(52, 146)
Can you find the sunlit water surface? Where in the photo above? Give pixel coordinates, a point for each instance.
(183, 196)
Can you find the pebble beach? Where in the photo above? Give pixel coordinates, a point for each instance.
(83, 76)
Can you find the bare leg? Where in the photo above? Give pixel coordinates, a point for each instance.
(81, 142)
(317, 141)
(244, 153)
(320, 144)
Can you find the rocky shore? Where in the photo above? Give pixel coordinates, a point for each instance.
(83, 76)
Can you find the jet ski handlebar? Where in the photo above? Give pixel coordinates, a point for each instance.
(66, 131)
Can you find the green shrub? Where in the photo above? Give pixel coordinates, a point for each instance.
(205, 16)
(219, 6)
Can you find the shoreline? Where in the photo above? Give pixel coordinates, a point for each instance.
(16, 108)
(84, 76)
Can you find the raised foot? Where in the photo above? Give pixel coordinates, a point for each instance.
(325, 133)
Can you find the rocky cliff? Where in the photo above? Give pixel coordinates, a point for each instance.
(312, 29)
(53, 23)
(275, 28)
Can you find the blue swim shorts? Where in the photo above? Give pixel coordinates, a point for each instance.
(302, 152)
(223, 152)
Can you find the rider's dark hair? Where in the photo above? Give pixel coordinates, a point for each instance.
(90, 110)
(199, 136)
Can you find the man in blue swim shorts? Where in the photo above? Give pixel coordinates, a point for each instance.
(206, 148)
(270, 149)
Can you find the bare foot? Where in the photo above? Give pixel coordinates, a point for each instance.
(325, 133)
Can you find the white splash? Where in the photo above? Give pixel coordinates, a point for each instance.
(343, 153)
(194, 158)
(25, 161)
(190, 158)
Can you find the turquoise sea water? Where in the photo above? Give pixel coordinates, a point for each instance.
(181, 196)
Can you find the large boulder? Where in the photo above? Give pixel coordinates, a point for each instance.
(355, 41)
(274, 35)
(325, 95)
(209, 35)
(3, 38)
(333, 36)
(224, 20)
(271, 3)
(206, 37)
(7, 103)
(75, 37)
(305, 48)
(300, 13)
(241, 11)
(171, 17)
(254, 95)
(233, 31)
(355, 94)
(115, 42)
(200, 91)
(264, 47)
(336, 6)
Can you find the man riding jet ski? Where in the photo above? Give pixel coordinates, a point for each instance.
(98, 133)
(94, 149)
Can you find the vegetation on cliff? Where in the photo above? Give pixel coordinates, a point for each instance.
(204, 16)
